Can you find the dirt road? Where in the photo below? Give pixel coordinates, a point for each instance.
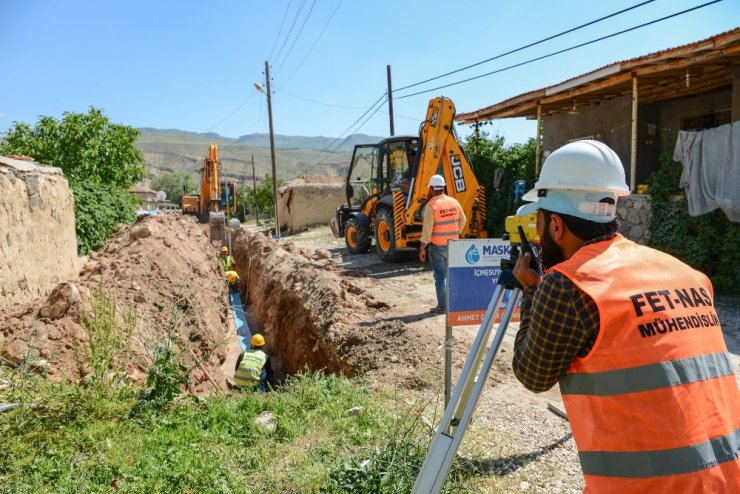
(525, 447)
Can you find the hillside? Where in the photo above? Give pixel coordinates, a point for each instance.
(173, 150)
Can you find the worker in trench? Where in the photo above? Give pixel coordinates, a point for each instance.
(444, 219)
(225, 259)
(253, 368)
(232, 279)
(631, 335)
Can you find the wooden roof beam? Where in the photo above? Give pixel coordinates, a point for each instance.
(597, 86)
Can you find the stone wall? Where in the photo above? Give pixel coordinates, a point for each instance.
(38, 245)
(633, 213)
(310, 204)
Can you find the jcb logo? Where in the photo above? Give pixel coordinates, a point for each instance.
(457, 173)
(435, 114)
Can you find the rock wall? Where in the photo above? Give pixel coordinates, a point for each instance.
(633, 213)
(301, 206)
(38, 245)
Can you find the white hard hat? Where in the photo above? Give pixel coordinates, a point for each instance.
(437, 182)
(576, 178)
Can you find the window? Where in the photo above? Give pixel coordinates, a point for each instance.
(707, 120)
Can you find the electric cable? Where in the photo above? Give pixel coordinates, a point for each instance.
(525, 46)
(230, 114)
(382, 99)
(274, 44)
(290, 31)
(321, 103)
(322, 161)
(314, 44)
(580, 45)
(297, 36)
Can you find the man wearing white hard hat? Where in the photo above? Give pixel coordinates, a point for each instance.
(631, 335)
(444, 219)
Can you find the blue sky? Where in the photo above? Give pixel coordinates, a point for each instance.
(191, 65)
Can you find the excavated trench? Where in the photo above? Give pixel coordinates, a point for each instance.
(307, 312)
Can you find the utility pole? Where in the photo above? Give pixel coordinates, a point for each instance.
(390, 99)
(272, 151)
(254, 192)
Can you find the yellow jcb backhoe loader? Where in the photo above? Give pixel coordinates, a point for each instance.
(387, 187)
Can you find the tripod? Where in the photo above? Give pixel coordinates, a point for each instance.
(469, 386)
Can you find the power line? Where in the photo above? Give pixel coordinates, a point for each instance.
(382, 96)
(560, 51)
(290, 31)
(274, 44)
(305, 171)
(314, 44)
(232, 113)
(321, 103)
(290, 50)
(525, 46)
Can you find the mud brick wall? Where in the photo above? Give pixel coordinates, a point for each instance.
(309, 204)
(38, 245)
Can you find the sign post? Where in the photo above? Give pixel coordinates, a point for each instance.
(473, 268)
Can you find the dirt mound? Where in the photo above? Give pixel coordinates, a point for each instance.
(313, 317)
(165, 269)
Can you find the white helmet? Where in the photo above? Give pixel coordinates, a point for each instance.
(575, 179)
(437, 182)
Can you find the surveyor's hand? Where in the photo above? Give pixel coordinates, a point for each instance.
(423, 255)
(524, 274)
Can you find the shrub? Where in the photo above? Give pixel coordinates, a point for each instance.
(99, 209)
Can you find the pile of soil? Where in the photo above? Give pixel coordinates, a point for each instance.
(164, 268)
(315, 318)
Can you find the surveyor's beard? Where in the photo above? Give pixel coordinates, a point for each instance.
(552, 254)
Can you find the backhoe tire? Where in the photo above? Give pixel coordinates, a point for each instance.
(385, 237)
(356, 238)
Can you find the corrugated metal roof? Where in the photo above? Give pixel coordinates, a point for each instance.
(729, 41)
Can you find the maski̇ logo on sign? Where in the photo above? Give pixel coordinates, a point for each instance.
(457, 173)
(472, 256)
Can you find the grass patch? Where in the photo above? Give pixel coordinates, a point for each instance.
(213, 444)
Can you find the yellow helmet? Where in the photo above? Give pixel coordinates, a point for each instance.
(258, 340)
(231, 276)
(224, 250)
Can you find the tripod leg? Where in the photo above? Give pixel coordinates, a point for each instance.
(464, 398)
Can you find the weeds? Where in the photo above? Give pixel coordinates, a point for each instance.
(393, 466)
(106, 346)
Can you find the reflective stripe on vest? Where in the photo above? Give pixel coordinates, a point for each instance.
(646, 464)
(227, 262)
(656, 397)
(250, 368)
(446, 219)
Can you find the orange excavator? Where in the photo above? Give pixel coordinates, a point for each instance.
(216, 197)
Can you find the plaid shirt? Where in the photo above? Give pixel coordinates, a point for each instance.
(559, 323)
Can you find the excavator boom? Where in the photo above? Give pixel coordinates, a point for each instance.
(215, 195)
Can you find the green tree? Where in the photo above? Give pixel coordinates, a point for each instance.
(260, 199)
(99, 159)
(86, 146)
(172, 183)
(498, 167)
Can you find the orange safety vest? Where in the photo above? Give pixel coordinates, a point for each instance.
(654, 406)
(446, 219)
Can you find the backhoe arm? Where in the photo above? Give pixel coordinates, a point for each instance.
(442, 154)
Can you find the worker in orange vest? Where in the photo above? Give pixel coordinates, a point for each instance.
(631, 335)
(444, 219)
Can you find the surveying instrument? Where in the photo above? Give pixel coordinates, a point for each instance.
(477, 366)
